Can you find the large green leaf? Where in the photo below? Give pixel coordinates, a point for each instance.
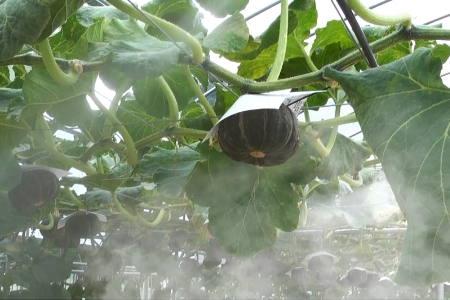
(21, 22)
(346, 157)
(132, 51)
(139, 124)
(246, 203)
(150, 96)
(230, 36)
(86, 15)
(182, 13)
(300, 23)
(403, 109)
(60, 11)
(222, 8)
(11, 130)
(41, 92)
(170, 168)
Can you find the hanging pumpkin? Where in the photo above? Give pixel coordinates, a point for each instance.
(263, 137)
(36, 188)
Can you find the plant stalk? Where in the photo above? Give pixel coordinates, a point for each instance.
(170, 131)
(53, 69)
(194, 86)
(50, 224)
(156, 222)
(130, 150)
(61, 157)
(171, 100)
(372, 17)
(122, 210)
(73, 198)
(123, 87)
(282, 43)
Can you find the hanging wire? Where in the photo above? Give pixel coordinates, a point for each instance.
(363, 43)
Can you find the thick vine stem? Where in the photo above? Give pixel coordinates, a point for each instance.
(372, 17)
(372, 162)
(314, 139)
(194, 86)
(44, 129)
(171, 131)
(61, 157)
(156, 222)
(171, 100)
(352, 182)
(123, 87)
(330, 122)
(130, 148)
(102, 144)
(401, 35)
(282, 43)
(75, 69)
(73, 198)
(172, 30)
(50, 224)
(122, 210)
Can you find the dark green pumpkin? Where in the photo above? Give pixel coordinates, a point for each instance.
(36, 188)
(263, 137)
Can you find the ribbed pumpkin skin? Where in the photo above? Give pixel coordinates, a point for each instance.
(270, 132)
(37, 187)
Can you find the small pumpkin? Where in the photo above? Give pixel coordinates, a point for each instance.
(36, 188)
(262, 137)
(82, 224)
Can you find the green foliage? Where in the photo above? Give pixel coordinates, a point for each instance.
(26, 29)
(223, 210)
(407, 129)
(221, 9)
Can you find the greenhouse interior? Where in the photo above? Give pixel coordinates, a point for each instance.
(239, 149)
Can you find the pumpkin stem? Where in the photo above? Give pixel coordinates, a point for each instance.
(314, 139)
(194, 86)
(130, 148)
(351, 181)
(123, 87)
(75, 68)
(282, 43)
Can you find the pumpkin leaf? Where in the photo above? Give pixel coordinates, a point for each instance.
(60, 11)
(139, 124)
(406, 124)
(243, 216)
(346, 157)
(230, 36)
(182, 13)
(300, 22)
(170, 168)
(10, 173)
(15, 31)
(334, 32)
(41, 92)
(103, 197)
(86, 15)
(12, 131)
(150, 96)
(132, 51)
(222, 8)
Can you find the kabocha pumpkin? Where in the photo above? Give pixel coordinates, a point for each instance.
(36, 188)
(262, 137)
(82, 225)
